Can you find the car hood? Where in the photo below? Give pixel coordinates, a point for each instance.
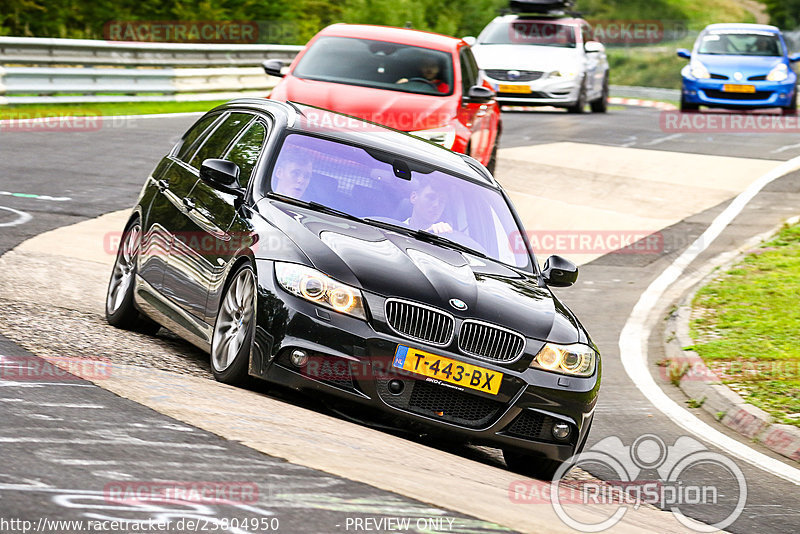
(526, 57)
(392, 264)
(403, 111)
(747, 65)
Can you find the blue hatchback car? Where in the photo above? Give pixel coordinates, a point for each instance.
(739, 66)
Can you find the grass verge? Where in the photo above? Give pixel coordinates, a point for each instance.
(103, 109)
(747, 325)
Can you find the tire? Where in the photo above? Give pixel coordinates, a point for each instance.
(530, 465)
(120, 310)
(601, 104)
(688, 107)
(580, 104)
(791, 109)
(233, 329)
(493, 158)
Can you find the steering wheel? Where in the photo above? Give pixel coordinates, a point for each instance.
(425, 80)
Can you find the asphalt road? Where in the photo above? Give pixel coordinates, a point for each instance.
(635, 127)
(79, 175)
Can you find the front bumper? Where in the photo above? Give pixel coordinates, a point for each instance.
(351, 359)
(711, 93)
(542, 92)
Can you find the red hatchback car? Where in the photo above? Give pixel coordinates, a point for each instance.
(418, 82)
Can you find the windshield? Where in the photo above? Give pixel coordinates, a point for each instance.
(740, 44)
(378, 64)
(530, 32)
(404, 193)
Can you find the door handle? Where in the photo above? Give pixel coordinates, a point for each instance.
(483, 111)
(162, 185)
(188, 203)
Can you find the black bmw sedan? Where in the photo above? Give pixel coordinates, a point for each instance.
(332, 255)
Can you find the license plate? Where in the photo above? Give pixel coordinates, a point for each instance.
(447, 370)
(513, 88)
(732, 88)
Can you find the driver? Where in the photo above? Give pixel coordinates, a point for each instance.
(292, 174)
(430, 69)
(427, 206)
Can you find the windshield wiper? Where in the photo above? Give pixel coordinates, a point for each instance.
(315, 206)
(428, 237)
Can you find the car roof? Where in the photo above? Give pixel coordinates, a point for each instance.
(352, 130)
(560, 19)
(393, 35)
(742, 26)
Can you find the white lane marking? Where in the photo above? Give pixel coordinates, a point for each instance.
(630, 141)
(633, 338)
(35, 197)
(663, 139)
(22, 217)
(784, 148)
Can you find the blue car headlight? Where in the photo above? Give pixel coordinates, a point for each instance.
(779, 73)
(699, 70)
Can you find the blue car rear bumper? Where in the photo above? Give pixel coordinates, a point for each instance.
(712, 93)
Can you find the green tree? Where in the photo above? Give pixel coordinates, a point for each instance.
(784, 13)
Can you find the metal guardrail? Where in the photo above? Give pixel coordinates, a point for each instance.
(36, 70)
(38, 51)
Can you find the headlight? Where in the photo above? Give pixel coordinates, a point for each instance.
(441, 136)
(779, 73)
(577, 359)
(566, 74)
(319, 288)
(699, 70)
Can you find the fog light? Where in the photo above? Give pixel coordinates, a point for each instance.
(396, 387)
(299, 358)
(561, 430)
(783, 95)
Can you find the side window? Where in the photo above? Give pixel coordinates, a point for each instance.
(469, 69)
(216, 143)
(246, 151)
(190, 139)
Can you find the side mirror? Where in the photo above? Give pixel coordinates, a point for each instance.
(470, 40)
(559, 272)
(794, 57)
(222, 175)
(684, 53)
(479, 94)
(273, 67)
(594, 47)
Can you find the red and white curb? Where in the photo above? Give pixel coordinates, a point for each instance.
(664, 106)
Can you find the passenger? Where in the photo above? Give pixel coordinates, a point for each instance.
(430, 69)
(427, 206)
(292, 174)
